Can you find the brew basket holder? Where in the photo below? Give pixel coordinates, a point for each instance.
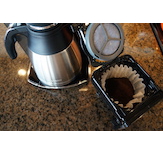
(122, 117)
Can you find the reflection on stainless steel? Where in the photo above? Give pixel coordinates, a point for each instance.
(42, 28)
(89, 70)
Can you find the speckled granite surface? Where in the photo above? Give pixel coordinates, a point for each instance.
(25, 107)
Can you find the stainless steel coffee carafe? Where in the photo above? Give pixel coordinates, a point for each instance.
(52, 50)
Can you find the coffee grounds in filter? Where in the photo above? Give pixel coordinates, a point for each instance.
(133, 77)
(120, 90)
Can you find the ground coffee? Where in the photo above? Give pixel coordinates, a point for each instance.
(120, 89)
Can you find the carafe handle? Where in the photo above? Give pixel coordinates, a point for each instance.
(10, 39)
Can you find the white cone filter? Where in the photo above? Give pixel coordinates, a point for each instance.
(126, 72)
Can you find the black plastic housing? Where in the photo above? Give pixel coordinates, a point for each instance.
(43, 42)
(153, 94)
(158, 32)
(50, 42)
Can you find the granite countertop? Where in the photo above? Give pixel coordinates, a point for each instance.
(26, 107)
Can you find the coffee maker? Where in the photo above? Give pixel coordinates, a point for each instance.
(89, 55)
(54, 52)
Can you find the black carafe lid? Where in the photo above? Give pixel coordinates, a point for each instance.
(41, 26)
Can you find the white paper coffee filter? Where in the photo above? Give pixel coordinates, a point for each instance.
(126, 72)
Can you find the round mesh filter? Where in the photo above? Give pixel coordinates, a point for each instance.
(104, 41)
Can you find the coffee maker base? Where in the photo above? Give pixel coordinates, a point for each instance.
(80, 79)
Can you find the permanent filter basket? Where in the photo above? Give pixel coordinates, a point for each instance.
(104, 41)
